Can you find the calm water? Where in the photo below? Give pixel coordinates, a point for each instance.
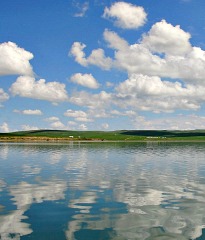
(93, 191)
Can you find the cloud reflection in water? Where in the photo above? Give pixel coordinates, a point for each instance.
(129, 191)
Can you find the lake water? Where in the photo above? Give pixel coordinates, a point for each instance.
(92, 191)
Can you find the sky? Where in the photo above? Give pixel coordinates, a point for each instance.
(102, 65)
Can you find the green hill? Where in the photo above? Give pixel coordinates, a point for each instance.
(121, 135)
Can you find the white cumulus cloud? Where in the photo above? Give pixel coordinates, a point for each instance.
(26, 86)
(115, 41)
(166, 38)
(57, 125)
(79, 116)
(3, 96)
(179, 122)
(97, 56)
(105, 126)
(86, 80)
(139, 59)
(29, 112)
(92, 101)
(52, 119)
(139, 92)
(126, 15)
(77, 52)
(154, 94)
(82, 127)
(72, 123)
(26, 127)
(75, 114)
(14, 60)
(4, 127)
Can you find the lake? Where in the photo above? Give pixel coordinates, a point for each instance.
(92, 191)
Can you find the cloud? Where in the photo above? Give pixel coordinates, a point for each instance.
(138, 58)
(168, 39)
(29, 112)
(3, 96)
(140, 92)
(126, 15)
(129, 113)
(77, 52)
(14, 60)
(143, 86)
(105, 126)
(115, 41)
(75, 114)
(4, 127)
(109, 84)
(72, 123)
(79, 116)
(26, 86)
(97, 56)
(92, 101)
(86, 80)
(134, 58)
(27, 127)
(57, 125)
(178, 122)
(52, 119)
(82, 9)
(99, 113)
(154, 94)
(82, 127)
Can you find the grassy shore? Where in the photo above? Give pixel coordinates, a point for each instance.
(122, 135)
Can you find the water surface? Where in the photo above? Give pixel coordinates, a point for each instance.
(92, 191)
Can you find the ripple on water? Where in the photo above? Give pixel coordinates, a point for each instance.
(124, 191)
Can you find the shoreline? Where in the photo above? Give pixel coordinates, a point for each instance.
(68, 140)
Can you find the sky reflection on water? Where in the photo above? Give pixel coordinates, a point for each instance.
(97, 191)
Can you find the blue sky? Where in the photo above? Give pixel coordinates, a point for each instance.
(102, 65)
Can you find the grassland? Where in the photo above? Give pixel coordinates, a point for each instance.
(122, 135)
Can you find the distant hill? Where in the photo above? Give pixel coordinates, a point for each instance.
(123, 135)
